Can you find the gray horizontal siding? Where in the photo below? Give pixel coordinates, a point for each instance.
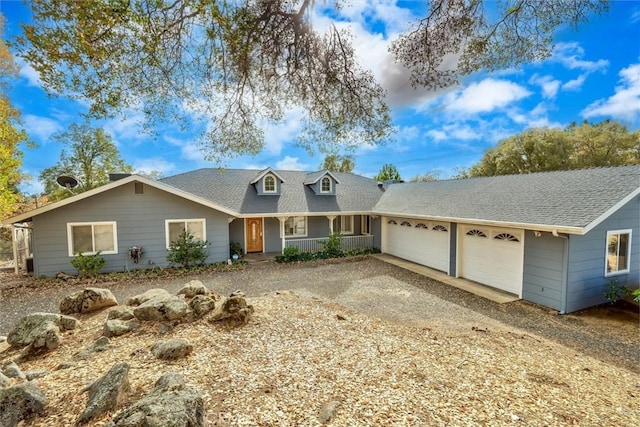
(140, 221)
(586, 275)
(543, 271)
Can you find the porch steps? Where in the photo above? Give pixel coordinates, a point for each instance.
(487, 292)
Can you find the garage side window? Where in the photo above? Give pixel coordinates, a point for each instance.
(89, 238)
(618, 254)
(175, 227)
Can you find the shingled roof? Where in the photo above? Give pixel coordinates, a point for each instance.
(232, 189)
(564, 199)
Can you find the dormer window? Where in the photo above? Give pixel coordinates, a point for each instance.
(269, 184)
(325, 185)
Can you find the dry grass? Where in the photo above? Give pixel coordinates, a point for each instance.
(297, 354)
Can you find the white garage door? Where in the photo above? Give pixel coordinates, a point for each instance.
(492, 257)
(422, 242)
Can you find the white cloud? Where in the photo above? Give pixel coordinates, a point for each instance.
(548, 84)
(153, 164)
(276, 135)
(625, 103)
(291, 163)
(128, 127)
(437, 135)
(484, 96)
(570, 55)
(41, 128)
(28, 73)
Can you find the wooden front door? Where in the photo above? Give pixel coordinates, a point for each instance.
(254, 234)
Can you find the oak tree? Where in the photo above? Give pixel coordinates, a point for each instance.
(89, 157)
(11, 134)
(230, 67)
(335, 162)
(459, 37)
(586, 145)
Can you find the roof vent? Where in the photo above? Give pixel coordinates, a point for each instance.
(380, 184)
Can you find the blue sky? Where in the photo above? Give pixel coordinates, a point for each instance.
(594, 74)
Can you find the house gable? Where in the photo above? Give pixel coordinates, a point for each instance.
(268, 183)
(139, 220)
(322, 183)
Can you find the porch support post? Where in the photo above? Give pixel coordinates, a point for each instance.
(282, 220)
(14, 240)
(331, 218)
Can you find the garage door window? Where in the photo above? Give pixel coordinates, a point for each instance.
(392, 222)
(618, 252)
(421, 225)
(439, 228)
(476, 233)
(506, 237)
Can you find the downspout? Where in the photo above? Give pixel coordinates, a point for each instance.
(565, 271)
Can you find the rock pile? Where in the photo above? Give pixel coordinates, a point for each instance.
(170, 402)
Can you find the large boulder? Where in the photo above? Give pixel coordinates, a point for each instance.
(117, 327)
(202, 304)
(172, 349)
(170, 403)
(146, 296)
(40, 331)
(106, 393)
(21, 402)
(121, 313)
(87, 300)
(12, 370)
(162, 307)
(234, 307)
(99, 345)
(193, 288)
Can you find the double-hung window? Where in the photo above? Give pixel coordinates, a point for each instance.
(365, 224)
(175, 227)
(89, 238)
(295, 226)
(618, 256)
(344, 224)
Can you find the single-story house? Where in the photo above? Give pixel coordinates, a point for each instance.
(554, 238)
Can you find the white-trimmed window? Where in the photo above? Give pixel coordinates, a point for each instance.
(618, 255)
(269, 184)
(343, 224)
(325, 185)
(365, 224)
(89, 238)
(175, 227)
(295, 226)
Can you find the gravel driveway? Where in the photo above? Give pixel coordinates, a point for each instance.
(385, 291)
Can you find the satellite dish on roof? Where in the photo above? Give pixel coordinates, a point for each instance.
(67, 181)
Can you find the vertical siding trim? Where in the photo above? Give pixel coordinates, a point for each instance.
(565, 273)
(453, 248)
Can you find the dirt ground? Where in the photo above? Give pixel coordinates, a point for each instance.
(392, 347)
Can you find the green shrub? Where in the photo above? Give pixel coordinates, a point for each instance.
(333, 246)
(615, 291)
(187, 250)
(88, 265)
(636, 295)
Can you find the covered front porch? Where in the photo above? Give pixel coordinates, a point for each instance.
(276, 233)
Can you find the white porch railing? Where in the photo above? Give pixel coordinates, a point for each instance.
(314, 245)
